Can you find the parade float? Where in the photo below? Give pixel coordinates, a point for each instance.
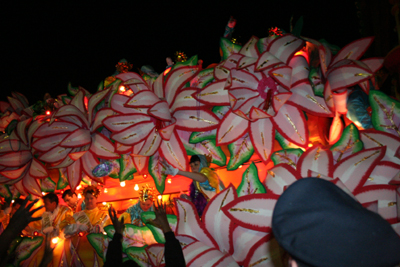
(274, 110)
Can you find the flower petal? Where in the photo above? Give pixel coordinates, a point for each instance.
(355, 170)
(354, 50)
(231, 128)
(213, 94)
(285, 46)
(252, 211)
(280, 177)
(316, 159)
(102, 147)
(196, 120)
(262, 135)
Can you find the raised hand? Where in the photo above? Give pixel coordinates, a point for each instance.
(23, 216)
(161, 220)
(118, 225)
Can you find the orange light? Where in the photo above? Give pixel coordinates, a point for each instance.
(78, 187)
(55, 240)
(136, 187)
(79, 196)
(159, 197)
(144, 175)
(104, 203)
(240, 166)
(80, 233)
(122, 89)
(167, 70)
(43, 193)
(310, 145)
(169, 181)
(48, 112)
(105, 190)
(122, 184)
(35, 233)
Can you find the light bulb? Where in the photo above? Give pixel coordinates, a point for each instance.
(43, 193)
(169, 181)
(240, 166)
(78, 187)
(105, 190)
(104, 203)
(79, 196)
(136, 187)
(159, 197)
(55, 240)
(122, 89)
(122, 184)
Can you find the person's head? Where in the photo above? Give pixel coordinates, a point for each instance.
(50, 202)
(91, 194)
(146, 196)
(197, 162)
(16, 205)
(319, 224)
(70, 198)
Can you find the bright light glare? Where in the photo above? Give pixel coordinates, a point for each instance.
(136, 187)
(122, 184)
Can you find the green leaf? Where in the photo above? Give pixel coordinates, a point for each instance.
(155, 168)
(284, 143)
(348, 144)
(157, 232)
(385, 112)
(72, 90)
(289, 156)
(26, 247)
(262, 44)
(62, 180)
(139, 255)
(127, 168)
(202, 78)
(240, 151)
(251, 183)
(190, 62)
(228, 48)
(207, 147)
(100, 243)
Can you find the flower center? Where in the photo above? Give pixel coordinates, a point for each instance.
(267, 88)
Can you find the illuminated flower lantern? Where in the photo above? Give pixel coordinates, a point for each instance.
(265, 94)
(17, 163)
(71, 138)
(148, 121)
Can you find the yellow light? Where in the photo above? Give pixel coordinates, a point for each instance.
(159, 197)
(136, 187)
(169, 181)
(48, 112)
(104, 203)
(144, 175)
(166, 71)
(104, 233)
(43, 193)
(240, 166)
(310, 145)
(105, 190)
(55, 240)
(78, 187)
(79, 196)
(122, 184)
(122, 89)
(12, 201)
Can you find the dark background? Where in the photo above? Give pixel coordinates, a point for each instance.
(44, 46)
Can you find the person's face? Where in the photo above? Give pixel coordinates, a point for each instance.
(14, 208)
(71, 201)
(145, 206)
(195, 166)
(90, 201)
(49, 206)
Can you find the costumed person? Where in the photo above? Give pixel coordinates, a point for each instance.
(206, 183)
(77, 227)
(49, 225)
(133, 214)
(319, 224)
(73, 201)
(53, 215)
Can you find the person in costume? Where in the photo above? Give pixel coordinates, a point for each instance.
(89, 220)
(53, 215)
(72, 201)
(77, 227)
(206, 183)
(133, 214)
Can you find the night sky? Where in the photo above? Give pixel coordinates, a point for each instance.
(46, 46)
